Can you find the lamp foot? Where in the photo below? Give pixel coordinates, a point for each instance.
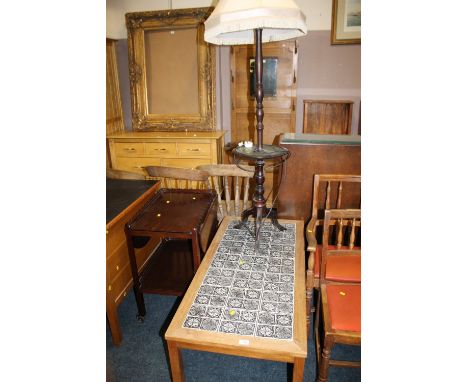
(265, 213)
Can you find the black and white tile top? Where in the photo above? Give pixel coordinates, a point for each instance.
(246, 292)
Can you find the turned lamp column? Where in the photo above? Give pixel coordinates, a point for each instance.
(259, 199)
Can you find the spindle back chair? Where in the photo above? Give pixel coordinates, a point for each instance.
(330, 191)
(338, 314)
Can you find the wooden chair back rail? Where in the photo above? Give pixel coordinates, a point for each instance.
(173, 177)
(341, 223)
(227, 178)
(330, 180)
(120, 174)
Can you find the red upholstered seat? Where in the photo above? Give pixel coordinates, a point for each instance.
(343, 268)
(349, 270)
(344, 305)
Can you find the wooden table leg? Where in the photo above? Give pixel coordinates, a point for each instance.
(175, 358)
(113, 320)
(195, 250)
(298, 370)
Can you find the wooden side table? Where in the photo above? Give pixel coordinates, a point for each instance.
(246, 303)
(186, 221)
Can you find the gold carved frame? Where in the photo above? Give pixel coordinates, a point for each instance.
(137, 24)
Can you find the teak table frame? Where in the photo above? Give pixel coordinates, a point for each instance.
(294, 351)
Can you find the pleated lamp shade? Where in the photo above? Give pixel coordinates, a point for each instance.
(233, 21)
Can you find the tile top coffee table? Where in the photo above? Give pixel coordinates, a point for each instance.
(244, 301)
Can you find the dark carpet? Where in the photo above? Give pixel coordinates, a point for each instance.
(141, 357)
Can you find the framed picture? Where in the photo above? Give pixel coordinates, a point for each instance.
(346, 22)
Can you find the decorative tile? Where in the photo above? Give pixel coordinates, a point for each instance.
(206, 289)
(213, 312)
(192, 322)
(231, 314)
(202, 299)
(235, 303)
(209, 324)
(240, 283)
(271, 307)
(228, 326)
(245, 329)
(270, 296)
(265, 331)
(266, 318)
(251, 304)
(283, 332)
(248, 316)
(248, 291)
(218, 301)
(284, 319)
(237, 292)
(197, 310)
(252, 294)
(285, 307)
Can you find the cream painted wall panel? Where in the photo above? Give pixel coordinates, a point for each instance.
(317, 12)
(114, 14)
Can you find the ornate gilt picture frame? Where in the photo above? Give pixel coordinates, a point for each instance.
(172, 70)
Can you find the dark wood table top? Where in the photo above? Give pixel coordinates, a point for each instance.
(120, 193)
(173, 210)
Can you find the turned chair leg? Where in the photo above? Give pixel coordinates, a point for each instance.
(310, 288)
(309, 298)
(325, 360)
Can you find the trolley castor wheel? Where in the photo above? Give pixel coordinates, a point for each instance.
(140, 318)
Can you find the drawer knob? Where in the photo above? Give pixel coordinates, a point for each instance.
(129, 149)
(117, 267)
(160, 149)
(110, 287)
(193, 149)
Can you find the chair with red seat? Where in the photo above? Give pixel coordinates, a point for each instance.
(330, 191)
(338, 313)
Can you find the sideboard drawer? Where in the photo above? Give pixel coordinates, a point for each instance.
(136, 164)
(160, 149)
(129, 149)
(194, 149)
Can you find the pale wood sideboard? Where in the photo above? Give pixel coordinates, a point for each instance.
(133, 150)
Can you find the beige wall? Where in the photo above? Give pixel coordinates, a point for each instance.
(325, 71)
(317, 12)
(328, 72)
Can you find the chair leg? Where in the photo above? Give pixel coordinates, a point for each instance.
(310, 288)
(317, 313)
(309, 297)
(325, 360)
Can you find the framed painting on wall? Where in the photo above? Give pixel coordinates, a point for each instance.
(346, 22)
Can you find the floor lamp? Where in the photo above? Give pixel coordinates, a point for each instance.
(235, 22)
